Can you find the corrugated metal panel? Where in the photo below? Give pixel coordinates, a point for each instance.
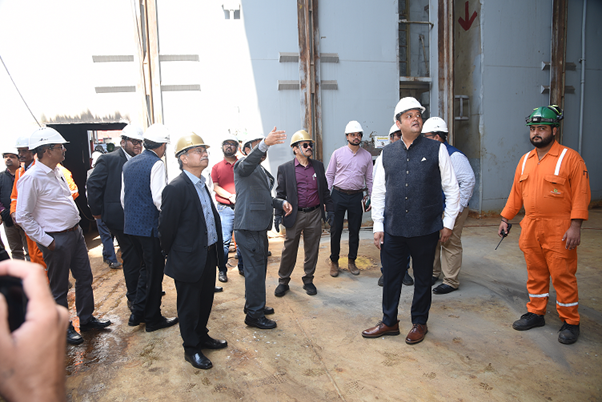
(179, 57)
(112, 58)
(106, 90)
(175, 88)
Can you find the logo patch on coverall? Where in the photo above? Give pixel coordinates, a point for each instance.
(556, 192)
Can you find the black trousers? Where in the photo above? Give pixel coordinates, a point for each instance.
(152, 268)
(352, 204)
(132, 264)
(195, 301)
(395, 251)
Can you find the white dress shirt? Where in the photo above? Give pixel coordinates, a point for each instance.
(465, 176)
(449, 184)
(45, 204)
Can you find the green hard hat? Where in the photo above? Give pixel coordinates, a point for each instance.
(546, 115)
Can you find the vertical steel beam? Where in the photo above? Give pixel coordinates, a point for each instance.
(445, 35)
(309, 72)
(558, 54)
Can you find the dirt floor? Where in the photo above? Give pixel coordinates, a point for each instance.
(317, 353)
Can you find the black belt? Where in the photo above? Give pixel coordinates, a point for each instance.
(309, 209)
(340, 190)
(63, 231)
(227, 205)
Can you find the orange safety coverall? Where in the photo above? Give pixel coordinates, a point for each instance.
(35, 255)
(554, 190)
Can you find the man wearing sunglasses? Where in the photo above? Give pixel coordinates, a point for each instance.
(222, 175)
(349, 174)
(302, 182)
(104, 191)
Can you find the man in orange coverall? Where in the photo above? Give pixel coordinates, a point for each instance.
(553, 184)
(26, 157)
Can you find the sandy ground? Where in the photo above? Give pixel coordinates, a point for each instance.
(317, 353)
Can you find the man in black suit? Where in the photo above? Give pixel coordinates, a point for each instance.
(302, 183)
(252, 219)
(191, 237)
(104, 191)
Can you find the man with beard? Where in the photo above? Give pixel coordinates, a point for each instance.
(104, 192)
(552, 183)
(349, 174)
(17, 241)
(222, 175)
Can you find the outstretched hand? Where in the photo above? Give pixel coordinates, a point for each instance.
(275, 137)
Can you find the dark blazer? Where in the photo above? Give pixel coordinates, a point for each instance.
(183, 231)
(104, 188)
(287, 189)
(254, 202)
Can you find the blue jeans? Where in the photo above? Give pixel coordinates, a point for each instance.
(226, 215)
(108, 247)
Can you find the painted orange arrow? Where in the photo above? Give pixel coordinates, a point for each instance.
(467, 22)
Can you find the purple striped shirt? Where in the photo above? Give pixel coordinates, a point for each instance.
(350, 171)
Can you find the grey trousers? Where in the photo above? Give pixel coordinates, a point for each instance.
(70, 253)
(17, 242)
(254, 249)
(310, 225)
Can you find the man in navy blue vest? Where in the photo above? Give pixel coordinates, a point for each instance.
(144, 178)
(436, 129)
(407, 205)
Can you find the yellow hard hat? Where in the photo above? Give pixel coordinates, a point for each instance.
(189, 141)
(299, 136)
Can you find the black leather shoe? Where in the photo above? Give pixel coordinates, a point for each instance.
(381, 281)
(269, 253)
(210, 343)
(222, 276)
(164, 322)
(434, 280)
(198, 360)
(528, 321)
(261, 322)
(281, 290)
(94, 323)
(241, 272)
(310, 289)
(407, 279)
(73, 338)
(218, 289)
(568, 334)
(135, 320)
(444, 289)
(266, 310)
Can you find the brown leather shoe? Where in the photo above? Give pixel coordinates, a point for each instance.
(352, 268)
(416, 334)
(380, 330)
(334, 268)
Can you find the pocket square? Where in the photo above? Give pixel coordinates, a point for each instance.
(423, 159)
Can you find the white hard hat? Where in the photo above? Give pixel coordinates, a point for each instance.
(229, 137)
(407, 103)
(353, 127)
(157, 133)
(433, 125)
(9, 150)
(45, 136)
(133, 131)
(22, 142)
(247, 138)
(393, 129)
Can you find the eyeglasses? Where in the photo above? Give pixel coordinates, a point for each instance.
(396, 134)
(56, 146)
(230, 144)
(355, 135)
(430, 136)
(134, 142)
(306, 145)
(198, 150)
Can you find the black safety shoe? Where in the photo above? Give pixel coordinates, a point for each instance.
(407, 279)
(568, 334)
(281, 290)
(528, 321)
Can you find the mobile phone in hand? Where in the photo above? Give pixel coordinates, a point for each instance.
(12, 290)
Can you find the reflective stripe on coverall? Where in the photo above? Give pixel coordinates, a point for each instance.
(554, 190)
